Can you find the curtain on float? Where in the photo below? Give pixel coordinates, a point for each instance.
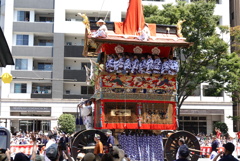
(143, 148)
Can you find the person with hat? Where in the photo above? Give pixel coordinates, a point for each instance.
(98, 150)
(102, 30)
(227, 153)
(110, 140)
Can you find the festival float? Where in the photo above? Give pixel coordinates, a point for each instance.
(129, 102)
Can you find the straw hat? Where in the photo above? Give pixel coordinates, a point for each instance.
(100, 21)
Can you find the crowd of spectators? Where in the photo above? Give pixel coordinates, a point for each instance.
(42, 141)
(217, 142)
(55, 146)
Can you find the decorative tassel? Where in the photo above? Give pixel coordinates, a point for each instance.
(139, 112)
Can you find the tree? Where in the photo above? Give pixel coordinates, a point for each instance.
(222, 126)
(207, 60)
(66, 123)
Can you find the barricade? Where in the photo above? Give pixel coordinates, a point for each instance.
(26, 149)
(206, 150)
(238, 150)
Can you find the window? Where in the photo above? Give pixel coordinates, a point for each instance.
(45, 43)
(22, 40)
(41, 88)
(23, 16)
(20, 88)
(87, 90)
(211, 91)
(85, 64)
(202, 118)
(21, 64)
(45, 66)
(46, 19)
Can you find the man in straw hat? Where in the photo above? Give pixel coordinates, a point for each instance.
(102, 30)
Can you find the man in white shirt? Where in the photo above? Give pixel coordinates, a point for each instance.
(102, 30)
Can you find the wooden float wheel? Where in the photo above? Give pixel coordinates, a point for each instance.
(171, 145)
(84, 142)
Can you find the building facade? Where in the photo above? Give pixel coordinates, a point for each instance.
(46, 39)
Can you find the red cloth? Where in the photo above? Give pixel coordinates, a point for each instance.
(218, 134)
(172, 126)
(110, 49)
(119, 28)
(134, 21)
(238, 134)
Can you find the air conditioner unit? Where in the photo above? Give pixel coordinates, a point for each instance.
(68, 68)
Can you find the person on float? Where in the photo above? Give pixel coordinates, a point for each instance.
(142, 65)
(86, 113)
(120, 63)
(165, 67)
(135, 65)
(149, 64)
(157, 65)
(115, 63)
(174, 67)
(127, 64)
(145, 33)
(102, 30)
(110, 64)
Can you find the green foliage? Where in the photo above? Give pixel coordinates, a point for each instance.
(235, 33)
(234, 118)
(222, 126)
(66, 123)
(207, 60)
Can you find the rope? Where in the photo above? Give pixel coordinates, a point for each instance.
(101, 8)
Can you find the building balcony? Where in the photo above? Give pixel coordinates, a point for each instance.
(33, 51)
(39, 4)
(32, 75)
(78, 75)
(73, 51)
(37, 95)
(39, 27)
(75, 96)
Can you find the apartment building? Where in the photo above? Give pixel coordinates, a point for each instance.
(46, 39)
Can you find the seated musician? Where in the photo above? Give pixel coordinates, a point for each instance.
(102, 30)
